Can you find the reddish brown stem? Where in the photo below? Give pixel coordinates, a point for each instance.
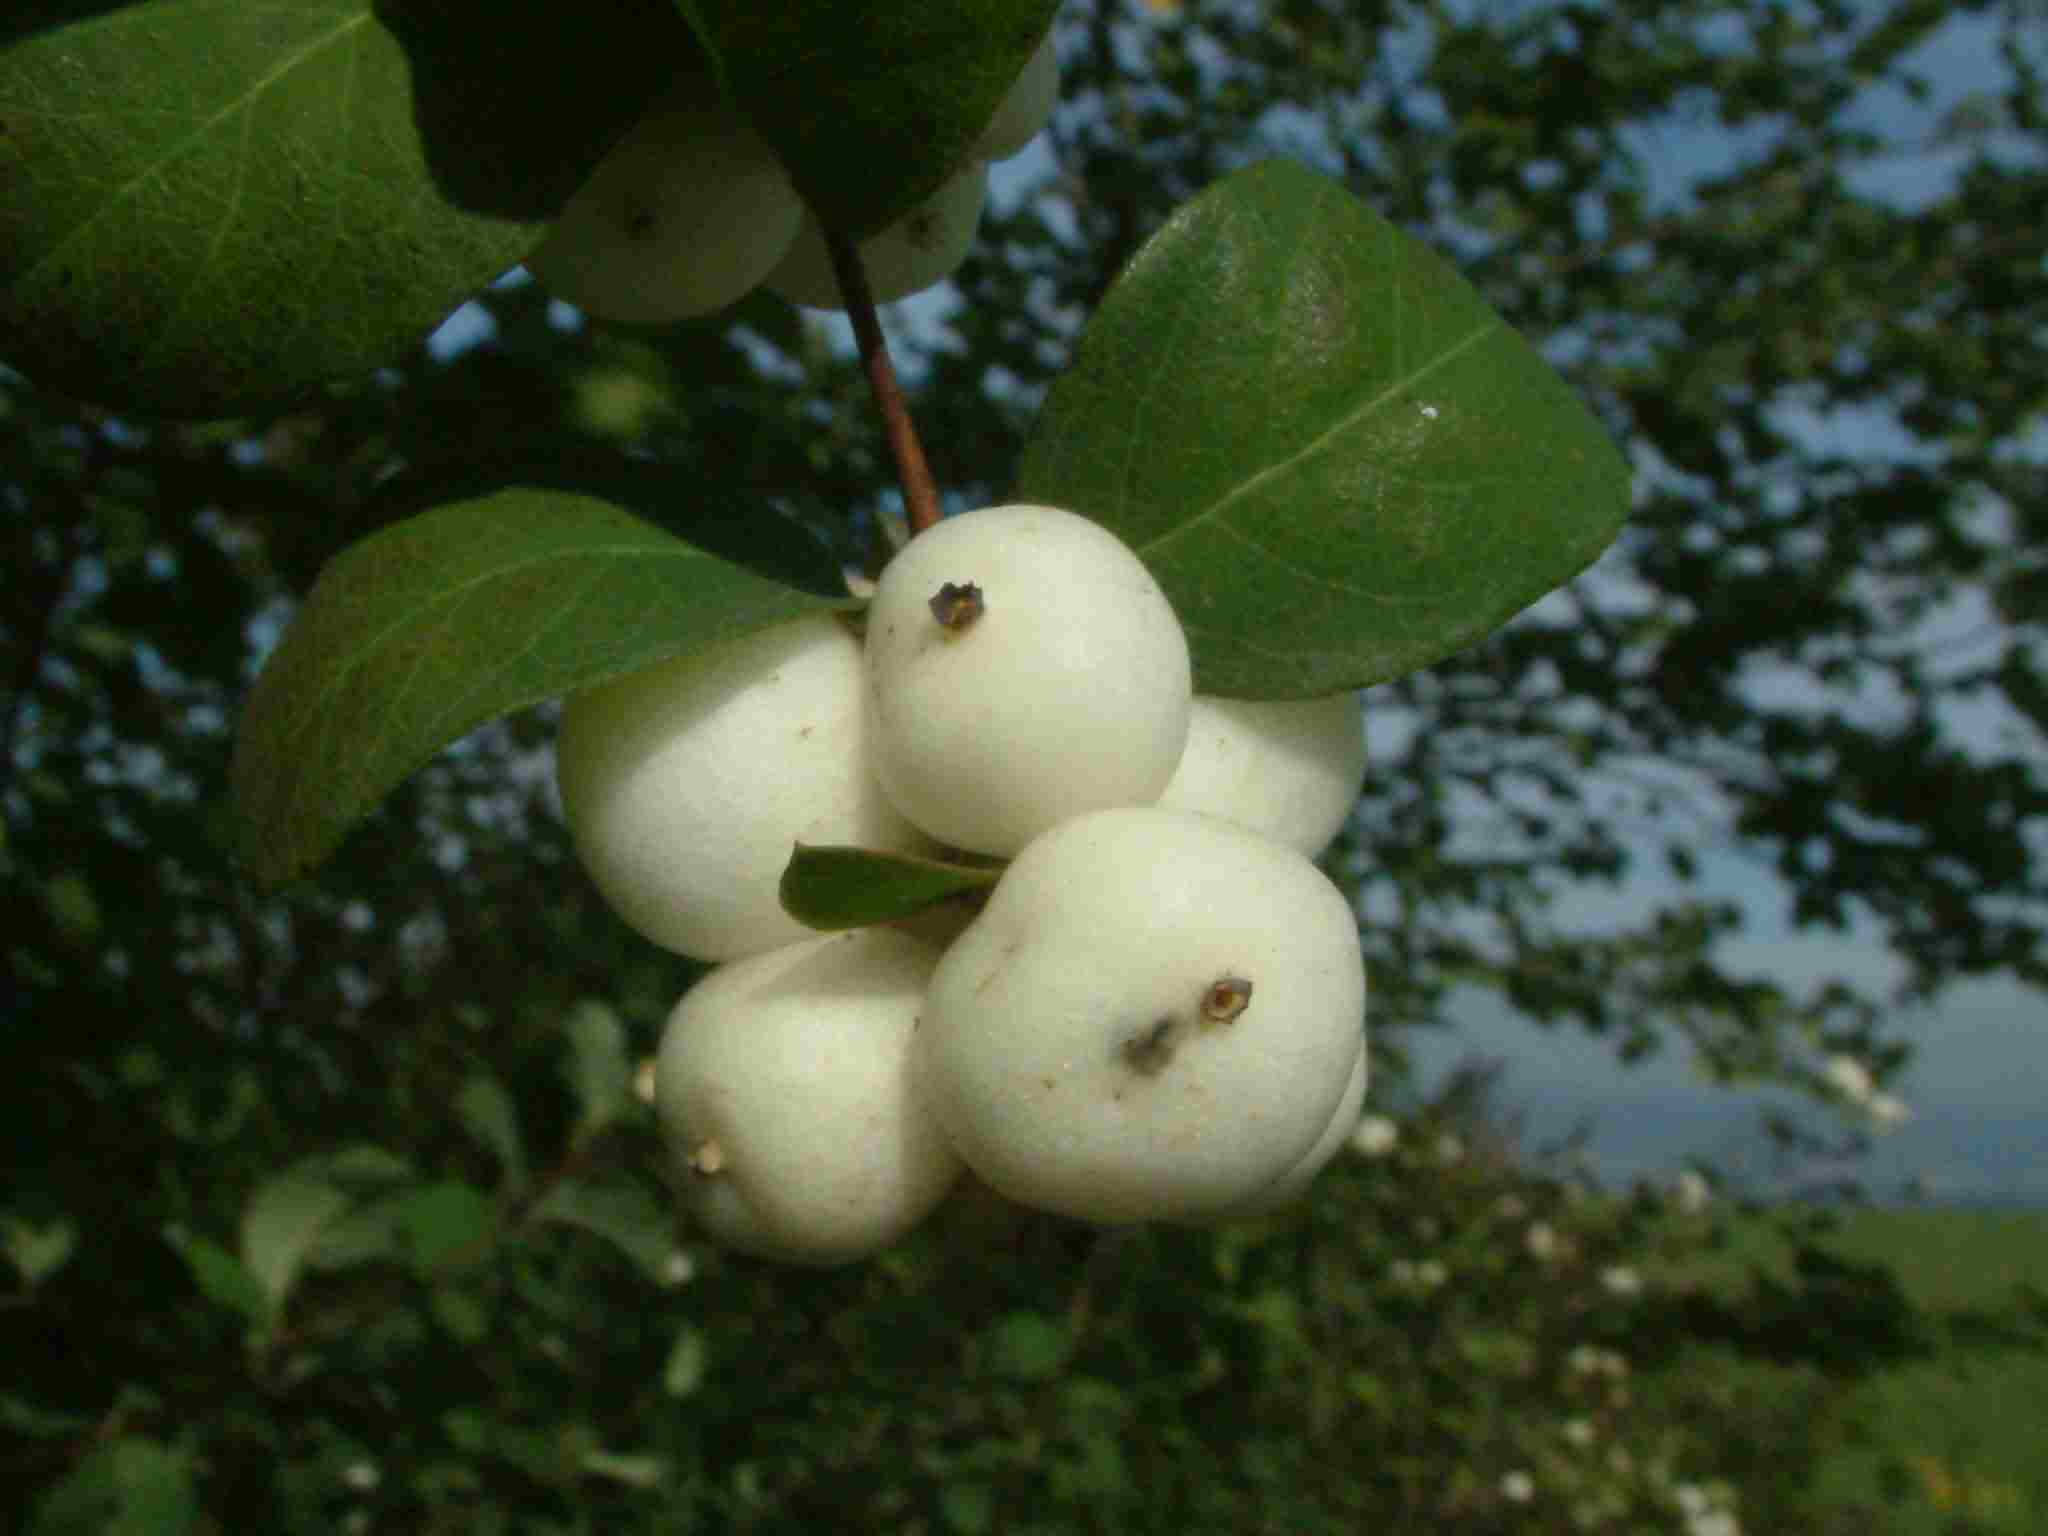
(920, 491)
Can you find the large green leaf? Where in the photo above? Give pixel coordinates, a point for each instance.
(210, 204)
(429, 628)
(869, 103)
(1338, 461)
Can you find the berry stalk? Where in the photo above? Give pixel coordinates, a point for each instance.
(913, 474)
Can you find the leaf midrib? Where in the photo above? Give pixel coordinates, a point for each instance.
(155, 168)
(1321, 440)
(443, 597)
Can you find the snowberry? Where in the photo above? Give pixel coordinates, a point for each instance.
(783, 1090)
(918, 251)
(1154, 1018)
(1294, 1183)
(1289, 769)
(688, 213)
(686, 785)
(1025, 109)
(1024, 668)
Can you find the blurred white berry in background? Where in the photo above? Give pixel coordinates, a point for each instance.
(1375, 1137)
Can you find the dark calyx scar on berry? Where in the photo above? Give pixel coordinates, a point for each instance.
(957, 604)
(1227, 997)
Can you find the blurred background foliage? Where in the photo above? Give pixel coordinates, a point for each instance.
(333, 1207)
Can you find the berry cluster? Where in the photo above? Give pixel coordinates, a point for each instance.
(692, 211)
(1155, 1015)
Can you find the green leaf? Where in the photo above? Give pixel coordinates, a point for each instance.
(73, 908)
(1339, 463)
(361, 1236)
(358, 1167)
(642, 1471)
(213, 205)
(689, 1361)
(624, 1215)
(487, 1113)
(834, 887)
(280, 1225)
(460, 1313)
(433, 626)
(21, 1417)
(221, 1277)
(600, 1074)
(869, 106)
(1028, 1345)
(38, 1252)
(969, 1508)
(444, 1223)
(128, 1487)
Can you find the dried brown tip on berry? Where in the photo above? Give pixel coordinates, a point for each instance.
(1226, 998)
(709, 1158)
(957, 605)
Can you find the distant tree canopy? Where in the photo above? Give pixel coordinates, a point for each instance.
(1798, 273)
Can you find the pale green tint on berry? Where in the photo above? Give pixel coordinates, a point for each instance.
(783, 1090)
(687, 214)
(687, 785)
(1290, 769)
(1070, 1045)
(919, 251)
(1069, 692)
(1026, 109)
(1293, 1184)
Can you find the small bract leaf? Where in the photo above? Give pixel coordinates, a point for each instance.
(280, 1225)
(835, 888)
(1337, 460)
(213, 205)
(870, 106)
(429, 628)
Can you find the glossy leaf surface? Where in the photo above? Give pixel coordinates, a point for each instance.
(211, 205)
(835, 888)
(427, 629)
(870, 105)
(1338, 461)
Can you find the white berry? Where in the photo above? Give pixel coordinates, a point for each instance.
(1067, 691)
(1026, 108)
(783, 1089)
(688, 784)
(1154, 1018)
(918, 251)
(685, 215)
(1294, 1183)
(1288, 769)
